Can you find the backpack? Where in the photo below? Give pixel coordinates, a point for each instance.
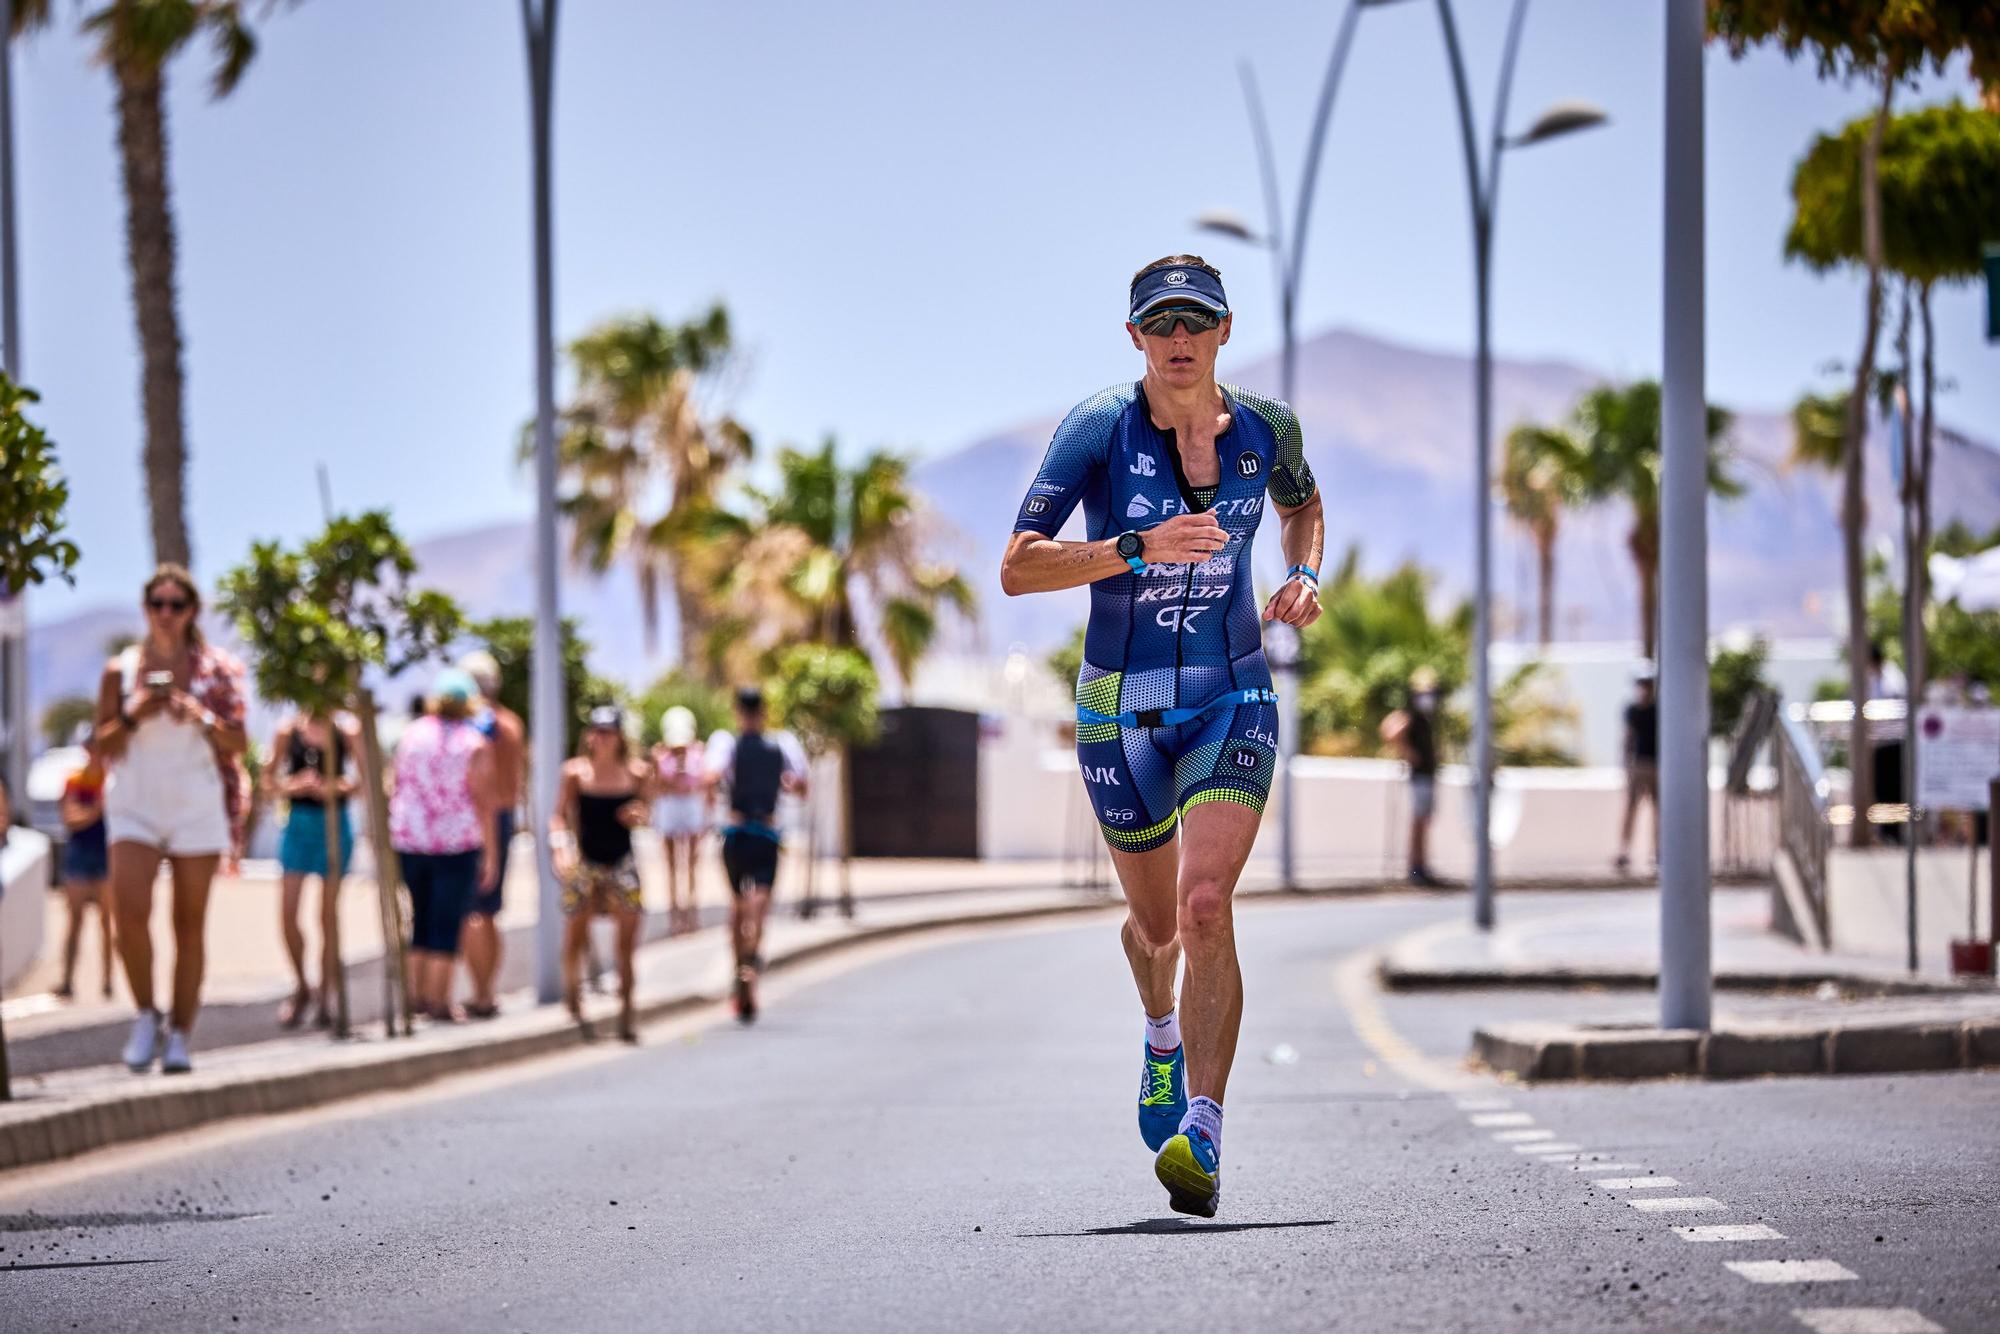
(756, 774)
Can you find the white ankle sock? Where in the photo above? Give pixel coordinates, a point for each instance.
(1164, 1034)
(1205, 1115)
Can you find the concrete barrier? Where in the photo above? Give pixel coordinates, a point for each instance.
(26, 865)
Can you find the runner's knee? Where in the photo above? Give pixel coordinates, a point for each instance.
(1154, 932)
(1204, 909)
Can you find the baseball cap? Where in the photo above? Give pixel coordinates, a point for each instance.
(677, 726)
(452, 683)
(608, 716)
(1183, 285)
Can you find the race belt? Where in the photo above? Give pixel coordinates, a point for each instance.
(1175, 717)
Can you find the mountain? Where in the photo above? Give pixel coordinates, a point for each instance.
(1388, 430)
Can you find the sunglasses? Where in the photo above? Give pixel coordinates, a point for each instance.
(167, 604)
(1199, 319)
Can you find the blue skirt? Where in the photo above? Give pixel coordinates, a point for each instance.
(302, 851)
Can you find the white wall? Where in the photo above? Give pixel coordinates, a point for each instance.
(24, 872)
(1867, 903)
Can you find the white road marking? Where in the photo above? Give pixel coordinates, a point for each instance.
(1547, 1148)
(1678, 1204)
(1791, 1271)
(1484, 1104)
(1502, 1119)
(1599, 1166)
(1355, 986)
(1636, 1183)
(1865, 1320)
(1729, 1232)
(1521, 1136)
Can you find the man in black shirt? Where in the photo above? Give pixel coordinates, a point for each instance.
(1413, 731)
(1642, 765)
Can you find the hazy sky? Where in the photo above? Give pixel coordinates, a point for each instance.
(922, 217)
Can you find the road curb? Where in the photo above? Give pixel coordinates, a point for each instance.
(167, 1104)
(1394, 976)
(1539, 1053)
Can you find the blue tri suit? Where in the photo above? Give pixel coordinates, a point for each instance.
(1174, 701)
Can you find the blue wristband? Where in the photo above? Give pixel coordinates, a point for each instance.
(1306, 570)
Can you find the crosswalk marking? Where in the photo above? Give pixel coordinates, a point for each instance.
(1522, 1136)
(1729, 1232)
(1484, 1104)
(1636, 1183)
(1546, 1148)
(1865, 1320)
(1791, 1271)
(1677, 1204)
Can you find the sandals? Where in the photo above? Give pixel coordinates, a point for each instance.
(293, 1012)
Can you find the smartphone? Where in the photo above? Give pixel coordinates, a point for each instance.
(159, 682)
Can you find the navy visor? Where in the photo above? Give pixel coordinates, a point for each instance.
(1178, 287)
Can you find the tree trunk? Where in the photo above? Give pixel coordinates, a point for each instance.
(1923, 449)
(692, 608)
(149, 242)
(1644, 544)
(1853, 500)
(333, 968)
(396, 999)
(1545, 579)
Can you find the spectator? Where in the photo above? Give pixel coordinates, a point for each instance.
(170, 728)
(680, 812)
(297, 773)
(502, 728)
(1413, 731)
(1642, 766)
(86, 865)
(600, 800)
(750, 770)
(441, 825)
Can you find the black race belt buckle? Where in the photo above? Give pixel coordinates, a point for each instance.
(1150, 717)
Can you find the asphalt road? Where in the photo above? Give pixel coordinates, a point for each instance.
(942, 1137)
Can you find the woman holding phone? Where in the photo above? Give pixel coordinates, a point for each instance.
(170, 729)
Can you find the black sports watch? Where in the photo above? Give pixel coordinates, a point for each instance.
(1132, 547)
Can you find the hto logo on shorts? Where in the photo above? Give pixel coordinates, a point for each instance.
(1039, 505)
(1248, 464)
(1120, 817)
(1100, 773)
(1245, 758)
(1178, 278)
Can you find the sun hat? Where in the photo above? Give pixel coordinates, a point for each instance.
(677, 726)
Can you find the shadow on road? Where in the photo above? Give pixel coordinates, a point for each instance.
(1175, 1227)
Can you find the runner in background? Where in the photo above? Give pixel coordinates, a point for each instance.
(748, 773)
(502, 728)
(86, 865)
(680, 812)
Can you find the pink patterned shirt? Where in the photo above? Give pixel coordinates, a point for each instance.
(432, 810)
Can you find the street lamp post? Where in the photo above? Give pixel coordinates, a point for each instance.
(13, 618)
(1286, 268)
(545, 686)
(1483, 186)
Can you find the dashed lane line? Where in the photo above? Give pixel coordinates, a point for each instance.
(1865, 1320)
(1729, 1232)
(1791, 1271)
(1484, 1104)
(1637, 1183)
(1486, 1119)
(1547, 1148)
(1522, 1136)
(1678, 1204)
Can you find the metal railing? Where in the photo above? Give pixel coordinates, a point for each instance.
(1805, 833)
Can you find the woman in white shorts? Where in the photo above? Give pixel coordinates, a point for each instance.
(170, 726)
(680, 813)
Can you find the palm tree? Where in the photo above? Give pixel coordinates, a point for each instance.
(1819, 431)
(644, 464)
(135, 40)
(1620, 431)
(829, 541)
(1539, 475)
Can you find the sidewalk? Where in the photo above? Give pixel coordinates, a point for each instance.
(248, 974)
(1617, 945)
(1789, 1010)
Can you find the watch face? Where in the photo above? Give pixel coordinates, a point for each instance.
(1129, 545)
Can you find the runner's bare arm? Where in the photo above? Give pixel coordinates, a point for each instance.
(1037, 564)
(1302, 535)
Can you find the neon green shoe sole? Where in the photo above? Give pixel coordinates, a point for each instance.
(1191, 1188)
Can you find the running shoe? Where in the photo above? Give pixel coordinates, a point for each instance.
(175, 1061)
(1162, 1095)
(144, 1043)
(746, 996)
(1191, 1169)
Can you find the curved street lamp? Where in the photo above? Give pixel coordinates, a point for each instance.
(1483, 188)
